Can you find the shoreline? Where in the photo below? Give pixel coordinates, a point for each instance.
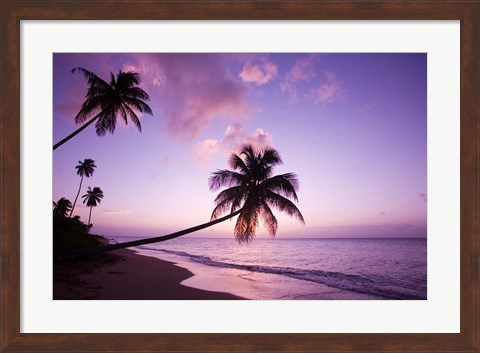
(127, 275)
(256, 285)
(141, 274)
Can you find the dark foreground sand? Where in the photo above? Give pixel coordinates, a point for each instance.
(128, 276)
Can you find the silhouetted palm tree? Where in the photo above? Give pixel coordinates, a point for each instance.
(61, 207)
(85, 168)
(92, 198)
(121, 96)
(253, 189)
(252, 192)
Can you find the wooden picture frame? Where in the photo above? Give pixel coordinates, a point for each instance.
(13, 12)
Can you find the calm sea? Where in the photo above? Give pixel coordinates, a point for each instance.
(388, 268)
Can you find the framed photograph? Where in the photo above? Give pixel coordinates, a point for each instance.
(240, 176)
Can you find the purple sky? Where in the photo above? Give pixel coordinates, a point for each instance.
(352, 126)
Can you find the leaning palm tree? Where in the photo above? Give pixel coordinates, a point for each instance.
(253, 191)
(105, 101)
(61, 207)
(251, 194)
(92, 198)
(85, 168)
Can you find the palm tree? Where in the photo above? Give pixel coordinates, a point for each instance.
(252, 192)
(92, 198)
(85, 168)
(61, 207)
(121, 96)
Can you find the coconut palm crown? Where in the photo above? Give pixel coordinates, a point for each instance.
(105, 101)
(85, 168)
(61, 207)
(252, 189)
(92, 198)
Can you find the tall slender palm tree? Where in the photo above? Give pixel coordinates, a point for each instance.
(85, 168)
(252, 192)
(105, 101)
(61, 207)
(92, 198)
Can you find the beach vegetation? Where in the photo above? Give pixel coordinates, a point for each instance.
(61, 207)
(71, 234)
(85, 168)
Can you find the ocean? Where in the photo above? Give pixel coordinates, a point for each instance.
(383, 269)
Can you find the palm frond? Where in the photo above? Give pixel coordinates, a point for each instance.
(284, 205)
(284, 184)
(228, 198)
(123, 114)
(270, 157)
(137, 93)
(103, 124)
(138, 104)
(225, 178)
(92, 79)
(235, 162)
(127, 79)
(269, 220)
(247, 223)
(133, 117)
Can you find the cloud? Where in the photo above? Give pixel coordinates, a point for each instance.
(302, 70)
(382, 213)
(260, 73)
(330, 91)
(117, 212)
(205, 149)
(191, 90)
(234, 138)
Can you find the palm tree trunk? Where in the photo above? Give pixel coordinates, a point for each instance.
(76, 132)
(90, 215)
(87, 252)
(78, 193)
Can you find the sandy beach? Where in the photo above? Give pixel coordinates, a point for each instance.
(142, 274)
(125, 275)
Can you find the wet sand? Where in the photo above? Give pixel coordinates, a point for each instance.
(125, 275)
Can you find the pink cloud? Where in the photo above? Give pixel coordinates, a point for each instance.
(205, 149)
(330, 91)
(191, 90)
(260, 73)
(117, 212)
(234, 138)
(302, 70)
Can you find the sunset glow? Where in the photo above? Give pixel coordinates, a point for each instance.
(353, 127)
